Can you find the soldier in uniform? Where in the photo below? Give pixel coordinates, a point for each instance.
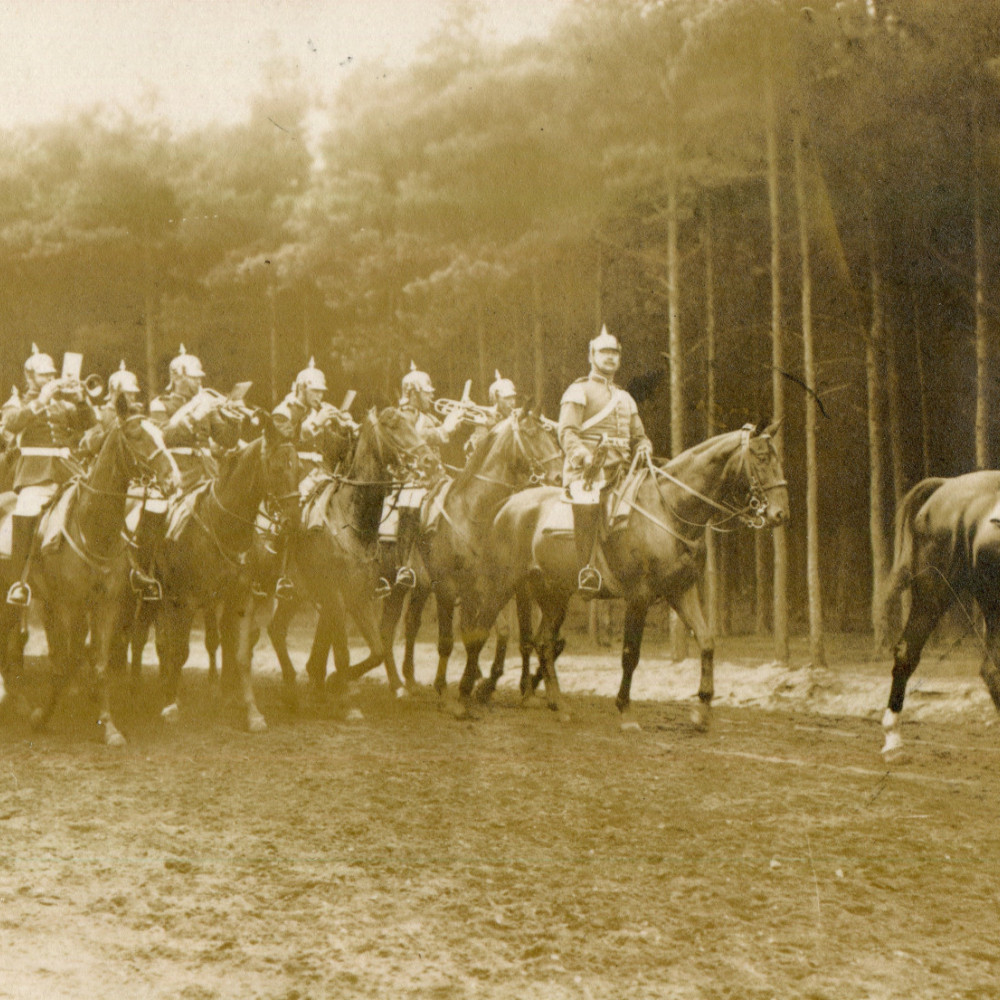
(183, 411)
(47, 424)
(401, 513)
(121, 381)
(503, 402)
(594, 408)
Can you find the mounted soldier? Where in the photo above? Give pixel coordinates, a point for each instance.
(600, 432)
(503, 401)
(401, 510)
(121, 382)
(47, 424)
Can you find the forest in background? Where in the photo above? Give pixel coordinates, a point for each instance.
(781, 210)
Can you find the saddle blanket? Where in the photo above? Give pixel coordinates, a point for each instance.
(181, 509)
(54, 518)
(617, 504)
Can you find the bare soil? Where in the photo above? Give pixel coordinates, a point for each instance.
(411, 855)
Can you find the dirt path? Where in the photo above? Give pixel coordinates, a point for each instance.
(413, 856)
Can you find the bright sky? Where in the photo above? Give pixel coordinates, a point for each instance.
(202, 58)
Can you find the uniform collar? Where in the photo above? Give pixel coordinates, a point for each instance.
(596, 376)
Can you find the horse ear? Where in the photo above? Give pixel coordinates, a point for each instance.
(121, 405)
(769, 429)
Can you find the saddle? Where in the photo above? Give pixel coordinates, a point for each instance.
(433, 505)
(54, 517)
(616, 503)
(316, 502)
(181, 510)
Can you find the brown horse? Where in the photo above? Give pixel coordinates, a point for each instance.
(518, 452)
(202, 564)
(79, 575)
(657, 555)
(947, 547)
(336, 562)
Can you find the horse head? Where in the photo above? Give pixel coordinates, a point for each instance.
(765, 476)
(280, 463)
(145, 452)
(538, 450)
(399, 444)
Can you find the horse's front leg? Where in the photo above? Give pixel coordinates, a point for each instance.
(636, 609)
(411, 627)
(65, 633)
(689, 610)
(392, 611)
(445, 599)
(173, 645)
(102, 630)
(238, 626)
(277, 632)
(12, 683)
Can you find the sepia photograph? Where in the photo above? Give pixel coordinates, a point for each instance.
(499, 499)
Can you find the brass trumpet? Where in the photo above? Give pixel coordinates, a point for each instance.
(471, 412)
(92, 387)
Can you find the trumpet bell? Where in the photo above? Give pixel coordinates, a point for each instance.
(469, 411)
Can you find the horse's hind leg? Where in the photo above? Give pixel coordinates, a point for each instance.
(414, 612)
(636, 609)
(688, 609)
(277, 632)
(930, 597)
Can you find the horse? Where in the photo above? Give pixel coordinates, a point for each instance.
(336, 561)
(657, 554)
(519, 451)
(201, 563)
(79, 574)
(947, 546)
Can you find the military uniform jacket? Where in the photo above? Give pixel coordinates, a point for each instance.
(427, 426)
(591, 407)
(46, 436)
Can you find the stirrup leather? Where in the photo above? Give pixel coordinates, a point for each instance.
(19, 594)
(589, 580)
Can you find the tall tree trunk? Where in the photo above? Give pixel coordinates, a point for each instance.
(273, 345)
(881, 553)
(895, 420)
(982, 342)
(678, 633)
(817, 653)
(711, 541)
(777, 376)
(538, 342)
(483, 372)
(925, 425)
(149, 306)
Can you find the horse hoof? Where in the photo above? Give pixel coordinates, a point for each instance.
(564, 717)
(631, 726)
(256, 724)
(701, 716)
(37, 719)
(893, 748)
(114, 739)
(440, 688)
(482, 693)
(354, 715)
(460, 710)
(402, 693)
(170, 714)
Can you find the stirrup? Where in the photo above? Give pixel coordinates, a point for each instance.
(148, 587)
(19, 594)
(589, 580)
(406, 578)
(284, 589)
(383, 588)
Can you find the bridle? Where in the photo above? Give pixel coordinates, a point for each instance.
(537, 467)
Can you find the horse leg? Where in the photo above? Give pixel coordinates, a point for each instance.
(930, 597)
(414, 612)
(173, 645)
(65, 633)
(476, 625)
(102, 629)
(446, 599)
(12, 682)
(688, 609)
(484, 688)
(237, 625)
(553, 605)
(277, 631)
(212, 643)
(392, 611)
(636, 609)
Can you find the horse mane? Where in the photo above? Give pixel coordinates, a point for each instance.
(476, 461)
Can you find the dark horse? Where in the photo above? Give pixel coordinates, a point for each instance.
(518, 452)
(947, 547)
(202, 566)
(657, 555)
(336, 560)
(80, 573)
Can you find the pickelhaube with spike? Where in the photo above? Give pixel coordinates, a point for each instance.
(122, 381)
(416, 380)
(604, 341)
(310, 377)
(186, 364)
(38, 363)
(502, 388)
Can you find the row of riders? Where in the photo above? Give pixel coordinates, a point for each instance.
(120, 519)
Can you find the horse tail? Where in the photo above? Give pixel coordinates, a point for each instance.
(901, 575)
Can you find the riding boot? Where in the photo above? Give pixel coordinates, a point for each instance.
(22, 538)
(409, 522)
(149, 533)
(586, 520)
